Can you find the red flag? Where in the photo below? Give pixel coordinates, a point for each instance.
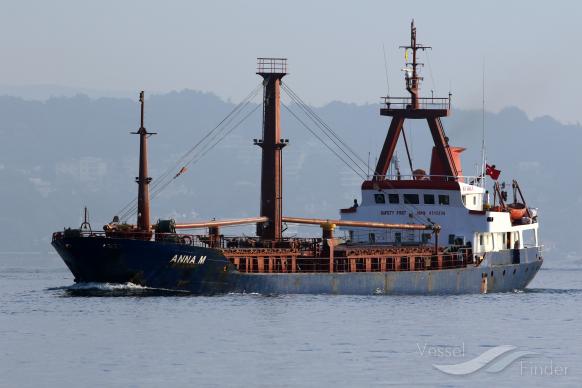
(492, 172)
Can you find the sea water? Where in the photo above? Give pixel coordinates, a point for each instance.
(54, 333)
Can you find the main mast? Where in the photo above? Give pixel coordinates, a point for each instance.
(415, 107)
(272, 70)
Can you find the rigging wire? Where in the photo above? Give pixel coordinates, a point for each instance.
(211, 139)
(407, 151)
(432, 79)
(353, 165)
(414, 214)
(418, 217)
(219, 130)
(192, 161)
(210, 148)
(215, 132)
(319, 121)
(314, 117)
(226, 120)
(363, 176)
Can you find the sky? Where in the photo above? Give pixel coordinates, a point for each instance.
(528, 49)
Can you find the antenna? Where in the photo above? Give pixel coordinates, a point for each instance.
(483, 127)
(386, 70)
(397, 166)
(411, 70)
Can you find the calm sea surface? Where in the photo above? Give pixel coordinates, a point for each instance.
(54, 335)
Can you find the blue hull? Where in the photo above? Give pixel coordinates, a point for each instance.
(202, 270)
(147, 263)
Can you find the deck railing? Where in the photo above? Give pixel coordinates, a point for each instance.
(206, 241)
(441, 103)
(272, 65)
(295, 264)
(164, 238)
(470, 179)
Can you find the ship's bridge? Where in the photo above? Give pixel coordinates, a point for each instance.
(443, 200)
(459, 206)
(467, 189)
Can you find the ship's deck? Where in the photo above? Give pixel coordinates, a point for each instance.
(346, 258)
(305, 255)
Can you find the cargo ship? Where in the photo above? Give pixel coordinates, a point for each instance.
(432, 232)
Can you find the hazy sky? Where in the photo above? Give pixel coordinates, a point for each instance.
(531, 48)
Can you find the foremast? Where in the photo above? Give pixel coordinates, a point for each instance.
(143, 180)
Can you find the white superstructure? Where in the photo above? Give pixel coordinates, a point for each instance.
(461, 210)
(459, 205)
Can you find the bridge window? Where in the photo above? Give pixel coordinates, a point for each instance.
(443, 199)
(393, 198)
(411, 199)
(429, 199)
(379, 198)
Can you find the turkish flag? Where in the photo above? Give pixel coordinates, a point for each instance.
(492, 172)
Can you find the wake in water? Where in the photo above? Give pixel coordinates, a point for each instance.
(92, 289)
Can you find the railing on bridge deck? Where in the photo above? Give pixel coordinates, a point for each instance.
(469, 179)
(403, 103)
